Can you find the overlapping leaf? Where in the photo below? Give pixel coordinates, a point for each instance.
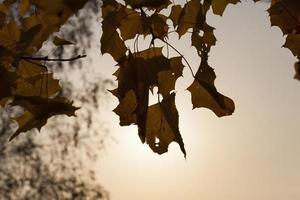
(204, 93)
(39, 110)
(25, 81)
(162, 126)
(286, 15)
(218, 6)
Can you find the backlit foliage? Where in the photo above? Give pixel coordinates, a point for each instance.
(26, 82)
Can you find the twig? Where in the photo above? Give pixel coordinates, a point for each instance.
(53, 59)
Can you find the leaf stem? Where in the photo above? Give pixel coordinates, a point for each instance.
(189, 66)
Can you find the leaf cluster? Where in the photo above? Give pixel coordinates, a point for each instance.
(24, 77)
(139, 71)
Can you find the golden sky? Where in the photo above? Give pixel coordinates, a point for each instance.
(251, 155)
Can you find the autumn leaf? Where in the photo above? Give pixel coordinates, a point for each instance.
(168, 78)
(138, 72)
(24, 7)
(27, 69)
(159, 25)
(10, 35)
(293, 43)
(39, 110)
(130, 25)
(110, 41)
(189, 17)
(162, 126)
(175, 13)
(285, 14)
(218, 6)
(204, 93)
(126, 109)
(41, 85)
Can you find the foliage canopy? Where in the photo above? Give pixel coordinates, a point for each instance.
(26, 82)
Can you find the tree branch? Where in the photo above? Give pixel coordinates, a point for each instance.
(53, 59)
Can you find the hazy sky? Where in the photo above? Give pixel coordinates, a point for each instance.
(252, 155)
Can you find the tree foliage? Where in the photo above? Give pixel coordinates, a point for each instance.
(25, 80)
(60, 163)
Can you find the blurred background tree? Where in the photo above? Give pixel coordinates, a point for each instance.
(58, 163)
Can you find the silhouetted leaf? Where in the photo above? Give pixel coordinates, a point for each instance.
(162, 126)
(110, 41)
(285, 14)
(41, 85)
(130, 25)
(126, 109)
(167, 79)
(175, 13)
(188, 17)
(39, 110)
(219, 6)
(204, 93)
(293, 43)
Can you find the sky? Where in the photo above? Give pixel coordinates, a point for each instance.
(251, 155)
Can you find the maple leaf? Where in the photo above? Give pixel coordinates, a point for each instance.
(175, 13)
(39, 110)
(293, 43)
(41, 85)
(130, 25)
(204, 93)
(168, 78)
(285, 14)
(27, 69)
(159, 25)
(138, 72)
(188, 17)
(126, 109)
(110, 40)
(218, 6)
(162, 126)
